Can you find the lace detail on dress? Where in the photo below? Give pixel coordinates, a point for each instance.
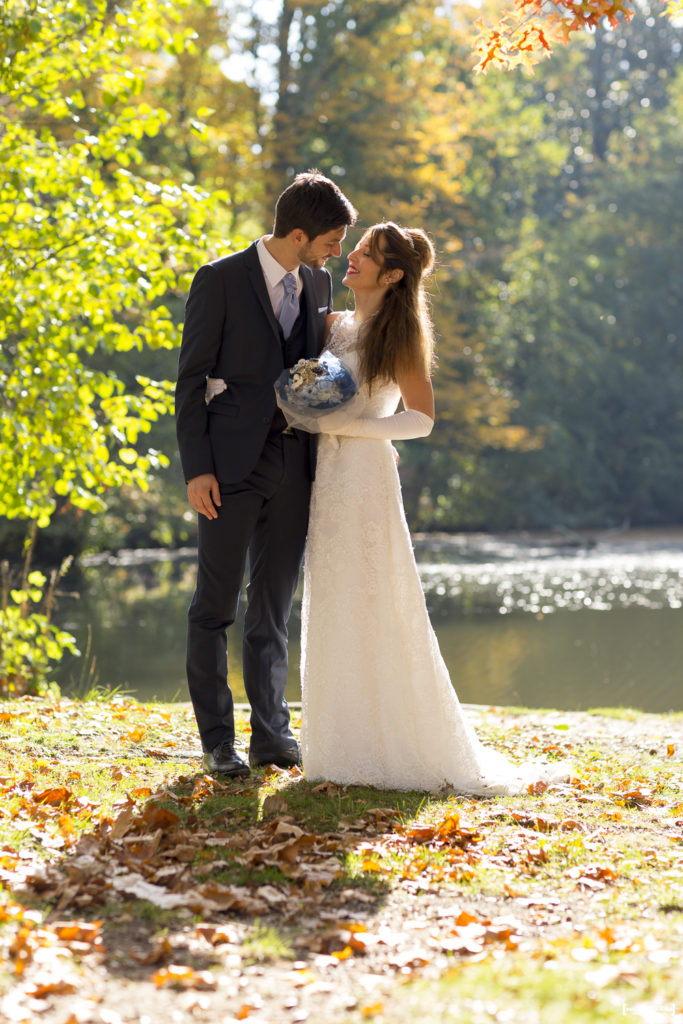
(378, 705)
(343, 334)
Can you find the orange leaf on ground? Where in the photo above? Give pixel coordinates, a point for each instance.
(135, 735)
(123, 822)
(371, 865)
(180, 976)
(328, 789)
(217, 933)
(59, 795)
(593, 876)
(66, 825)
(58, 986)
(204, 786)
(245, 1011)
(154, 816)
(77, 931)
(421, 834)
(274, 803)
(464, 917)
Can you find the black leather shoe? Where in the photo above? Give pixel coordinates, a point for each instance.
(286, 757)
(225, 761)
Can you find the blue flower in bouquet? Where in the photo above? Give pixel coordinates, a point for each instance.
(322, 383)
(313, 388)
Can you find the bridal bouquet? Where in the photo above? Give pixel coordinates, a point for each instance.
(318, 395)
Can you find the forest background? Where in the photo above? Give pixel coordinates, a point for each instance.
(141, 140)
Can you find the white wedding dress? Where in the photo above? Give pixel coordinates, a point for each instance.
(378, 705)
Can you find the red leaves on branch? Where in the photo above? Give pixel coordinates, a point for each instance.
(528, 31)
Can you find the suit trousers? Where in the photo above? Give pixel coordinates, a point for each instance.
(264, 517)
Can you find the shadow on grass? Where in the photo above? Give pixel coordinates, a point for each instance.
(267, 864)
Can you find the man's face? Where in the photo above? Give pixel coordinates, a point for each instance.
(316, 252)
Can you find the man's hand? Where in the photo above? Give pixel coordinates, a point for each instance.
(204, 495)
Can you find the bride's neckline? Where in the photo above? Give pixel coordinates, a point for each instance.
(350, 314)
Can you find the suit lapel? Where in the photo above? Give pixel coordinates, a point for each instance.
(258, 283)
(312, 341)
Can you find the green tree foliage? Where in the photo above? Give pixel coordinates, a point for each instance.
(30, 643)
(366, 93)
(211, 136)
(208, 140)
(584, 309)
(91, 246)
(94, 245)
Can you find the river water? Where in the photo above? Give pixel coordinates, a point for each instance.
(571, 622)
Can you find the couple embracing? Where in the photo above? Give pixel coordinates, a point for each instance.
(378, 705)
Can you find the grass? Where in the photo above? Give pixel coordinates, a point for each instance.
(265, 944)
(504, 990)
(590, 874)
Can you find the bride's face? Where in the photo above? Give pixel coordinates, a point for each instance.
(363, 273)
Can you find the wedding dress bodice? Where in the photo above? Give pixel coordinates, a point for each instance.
(383, 398)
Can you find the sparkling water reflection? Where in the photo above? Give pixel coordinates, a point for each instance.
(520, 620)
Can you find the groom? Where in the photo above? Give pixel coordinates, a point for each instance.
(248, 316)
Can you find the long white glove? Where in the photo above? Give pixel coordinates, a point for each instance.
(400, 427)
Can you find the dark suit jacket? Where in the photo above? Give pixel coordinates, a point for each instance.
(231, 332)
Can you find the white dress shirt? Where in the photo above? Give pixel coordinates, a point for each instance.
(274, 273)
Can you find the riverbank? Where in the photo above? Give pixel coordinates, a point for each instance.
(137, 888)
(537, 620)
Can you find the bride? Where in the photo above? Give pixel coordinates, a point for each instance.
(379, 708)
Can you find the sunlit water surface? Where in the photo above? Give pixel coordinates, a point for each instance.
(533, 621)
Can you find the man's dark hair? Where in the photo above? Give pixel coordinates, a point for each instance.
(314, 204)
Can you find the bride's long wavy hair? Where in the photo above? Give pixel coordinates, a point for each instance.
(399, 337)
